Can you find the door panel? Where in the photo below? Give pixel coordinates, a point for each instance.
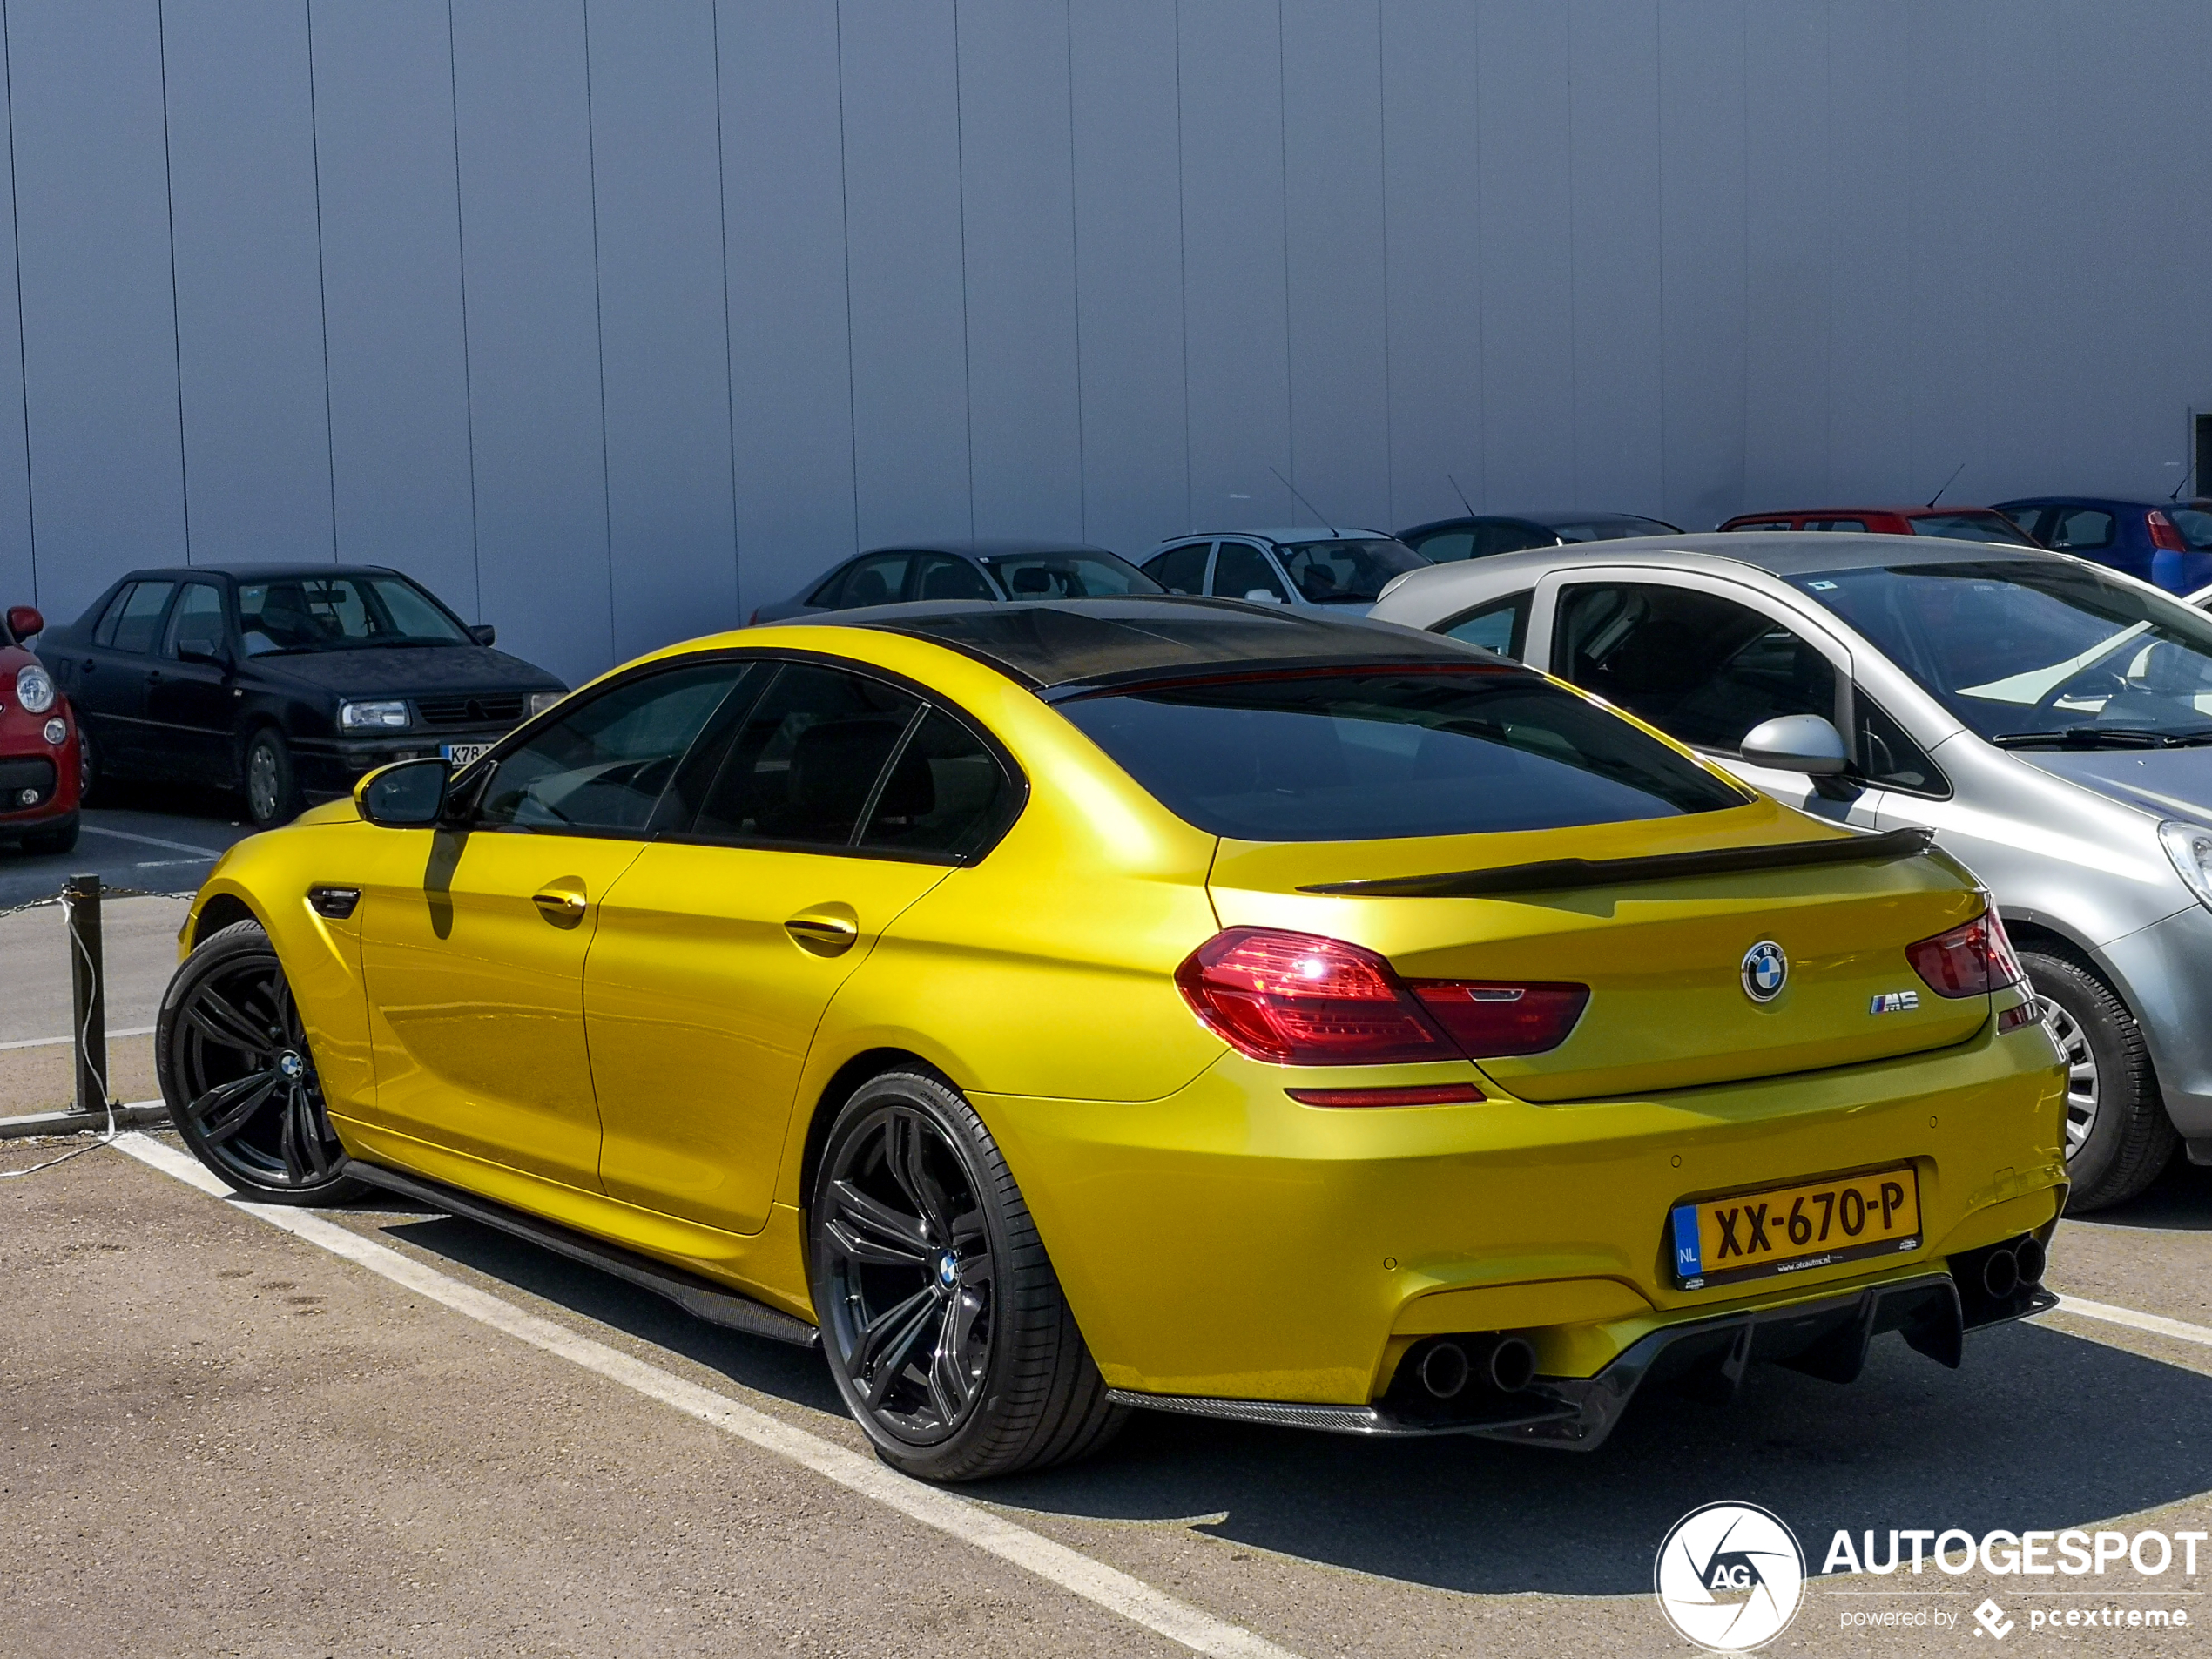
(476, 997)
(700, 1002)
(188, 703)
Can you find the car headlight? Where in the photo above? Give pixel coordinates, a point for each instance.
(2190, 847)
(541, 701)
(372, 717)
(34, 689)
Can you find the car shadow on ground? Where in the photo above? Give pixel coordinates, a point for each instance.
(2039, 1429)
(2179, 1200)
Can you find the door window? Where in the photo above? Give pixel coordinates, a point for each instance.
(1181, 569)
(2033, 521)
(1510, 536)
(602, 769)
(942, 576)
(139, 620)
(198, 619)
(1888, 756)
(945, 793)
(1243, 572)
(802, 766)
(1446, 546)
(1702, 669)
(2076, 530)
(104, 633)
(880, 579)
(1501, 625)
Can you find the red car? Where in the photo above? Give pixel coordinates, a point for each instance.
(41, 767)
(1960, 523)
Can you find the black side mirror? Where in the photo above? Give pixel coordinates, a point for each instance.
(408, 794)
(483, 633)
(197, 648)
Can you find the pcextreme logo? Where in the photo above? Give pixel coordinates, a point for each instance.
(1729, 1577)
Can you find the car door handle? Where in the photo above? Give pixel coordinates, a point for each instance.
(561, 905)
(824, 930)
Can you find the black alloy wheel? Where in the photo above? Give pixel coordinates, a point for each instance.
(945, 1326)
(2117, 1135)
(272, 793)
(236, 1071)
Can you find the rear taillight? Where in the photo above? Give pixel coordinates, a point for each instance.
(1302, 1000)
(1503, 1019)
(2162, 533)
(1969, 961)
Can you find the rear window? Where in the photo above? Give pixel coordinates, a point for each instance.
(1378, 754)
(2194, 525)
(1969, 526)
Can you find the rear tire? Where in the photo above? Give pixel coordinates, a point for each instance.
(943, 1322)
(232, 1054)
(2118, 1136)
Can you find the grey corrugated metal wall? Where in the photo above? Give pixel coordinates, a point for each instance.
(612, 318)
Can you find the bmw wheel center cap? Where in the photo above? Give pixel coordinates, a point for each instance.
(1766, 970)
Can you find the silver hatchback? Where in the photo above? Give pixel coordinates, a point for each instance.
(2049, 718)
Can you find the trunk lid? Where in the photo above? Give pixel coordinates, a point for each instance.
(1664, 959)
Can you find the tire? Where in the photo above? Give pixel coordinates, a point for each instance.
(2118, 1137)
(918, 1234)
(235, 1069)
(271, 789)
(88, 772)
(60, 838)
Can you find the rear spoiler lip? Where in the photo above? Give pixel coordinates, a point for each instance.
(1556, 875)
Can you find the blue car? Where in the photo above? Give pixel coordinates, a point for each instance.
(2161, 541)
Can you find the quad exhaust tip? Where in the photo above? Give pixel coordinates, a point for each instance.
(1505, 1365)
(2000, 1274)
(2029, 1257)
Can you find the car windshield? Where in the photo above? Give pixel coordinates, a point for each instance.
(1609, 527)
(341, 612)
(2029, 653)
(1344, 571)
(1969, 526)
(1067, 575)
(1373, 755)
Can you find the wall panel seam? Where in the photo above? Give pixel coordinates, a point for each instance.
(322, 284)
(176, 331)
(15, 238)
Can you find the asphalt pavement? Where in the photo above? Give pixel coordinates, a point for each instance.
(145, 840)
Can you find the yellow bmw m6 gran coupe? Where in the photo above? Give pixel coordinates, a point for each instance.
(1055, 1008)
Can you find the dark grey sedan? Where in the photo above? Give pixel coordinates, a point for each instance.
(974, 569)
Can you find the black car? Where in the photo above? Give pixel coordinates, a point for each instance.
(285, 682)
(1479, 535)
(1004, 569)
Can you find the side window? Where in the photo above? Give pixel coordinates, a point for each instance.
(1446, 547)
(140, 617)
(880, 579)
(2034, 522)
(1762, 525)
(1242, 572)
(1836, 524)
(602, 768)
(1888, 756)
(802, 766)
(1509, 537)
(946, 793)
(104, 633)
(2079, 529)
(825, 592)
(1181, 569)
(198, 619)
(943, 577)
(1501, 625)
(1702, 669)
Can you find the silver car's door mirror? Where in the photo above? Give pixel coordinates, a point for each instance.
(1802, 742)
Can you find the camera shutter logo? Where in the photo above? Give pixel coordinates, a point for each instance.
(1729, 1577)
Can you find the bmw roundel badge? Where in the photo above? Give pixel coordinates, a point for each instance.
(1766, 970)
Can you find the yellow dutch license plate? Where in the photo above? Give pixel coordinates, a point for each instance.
(1795, 1229)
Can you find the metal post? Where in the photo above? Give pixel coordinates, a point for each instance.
(88, 998)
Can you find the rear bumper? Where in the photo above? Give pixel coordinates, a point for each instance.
(1827, 1337)
(1226, 1243)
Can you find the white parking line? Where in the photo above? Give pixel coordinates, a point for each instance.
(1070, 1569)
(152, 840)
(56, 1042)
(2156, 1323)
